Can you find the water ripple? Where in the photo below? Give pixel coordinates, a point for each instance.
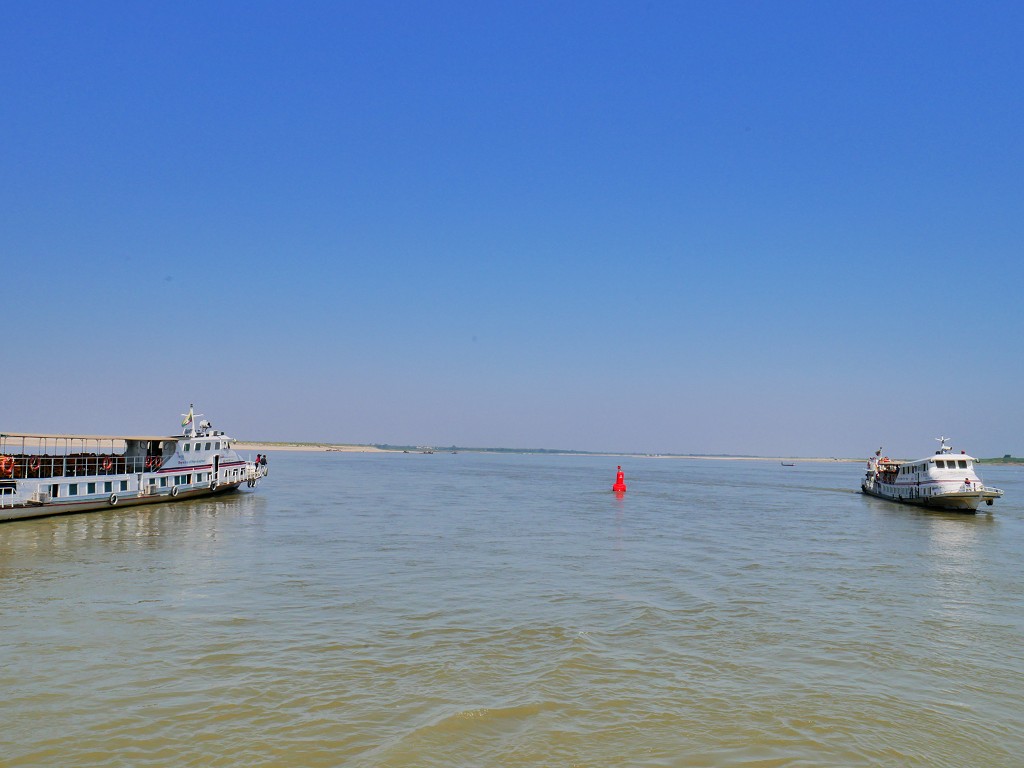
(462, 610)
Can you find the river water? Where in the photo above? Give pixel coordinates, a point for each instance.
(385, 610)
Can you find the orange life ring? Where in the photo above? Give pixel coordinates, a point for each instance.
(149, 462)
(33, 463)
(107, 464)
(7, 465)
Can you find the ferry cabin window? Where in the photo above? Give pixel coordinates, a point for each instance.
(73, 489)
(91, 488)
(962, 463)
(108, 487)
(939, 464)
(124, 485)
(207, 446)
(188, 447)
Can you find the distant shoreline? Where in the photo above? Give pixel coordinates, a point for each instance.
(317, 447)
(343, 448)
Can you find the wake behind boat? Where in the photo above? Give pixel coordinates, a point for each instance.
(942, 481)
(56, 474)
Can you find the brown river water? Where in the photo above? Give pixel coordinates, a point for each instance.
(386, 610)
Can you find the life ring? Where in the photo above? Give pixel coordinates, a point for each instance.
(174, 490)
(34, 463)
(107, 465)
(113, 499)
(7, 466)
(149, 462)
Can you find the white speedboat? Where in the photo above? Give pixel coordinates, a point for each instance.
(943, 481)
(56, 474)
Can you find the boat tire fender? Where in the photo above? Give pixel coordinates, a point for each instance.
(174, 490)
(113, 500)
(213, 485)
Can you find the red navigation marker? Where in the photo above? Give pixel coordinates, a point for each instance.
(620, 482)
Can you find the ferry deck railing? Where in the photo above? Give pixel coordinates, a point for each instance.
(75, 465)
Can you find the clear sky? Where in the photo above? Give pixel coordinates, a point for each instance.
(782, 228)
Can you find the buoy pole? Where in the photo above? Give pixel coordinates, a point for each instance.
(620, 482)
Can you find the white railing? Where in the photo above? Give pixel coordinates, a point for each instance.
(42, 465)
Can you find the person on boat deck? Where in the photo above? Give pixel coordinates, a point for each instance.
(257, 459)
(263, 461)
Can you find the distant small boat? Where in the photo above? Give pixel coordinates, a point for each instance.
(787, 464)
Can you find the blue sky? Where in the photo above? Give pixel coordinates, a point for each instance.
(776, 228)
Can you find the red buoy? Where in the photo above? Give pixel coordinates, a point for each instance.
(620, 482)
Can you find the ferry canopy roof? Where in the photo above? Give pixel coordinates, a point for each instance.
(90, 438)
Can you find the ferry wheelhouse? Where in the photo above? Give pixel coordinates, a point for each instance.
(943, 481)
(55, 474)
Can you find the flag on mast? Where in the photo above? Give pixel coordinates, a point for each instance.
(188, 418)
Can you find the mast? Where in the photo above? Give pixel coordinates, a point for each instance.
(189, 421)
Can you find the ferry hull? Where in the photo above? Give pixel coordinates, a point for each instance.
(27, 511)
(953, 502)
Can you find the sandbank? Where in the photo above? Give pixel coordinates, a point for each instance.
(330, 447)
(315, 447)
(753, 458)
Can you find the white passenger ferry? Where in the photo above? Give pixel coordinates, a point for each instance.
(944, 481)
(56, 474)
